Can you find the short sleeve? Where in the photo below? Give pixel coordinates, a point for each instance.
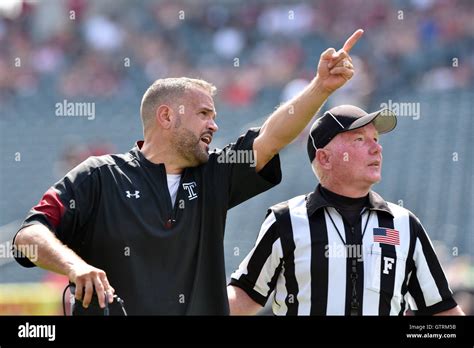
(428, 288)
(66, 207)
(235, 166)
(258, 272)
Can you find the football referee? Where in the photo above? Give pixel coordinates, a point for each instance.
(342, 249)
(149, 224)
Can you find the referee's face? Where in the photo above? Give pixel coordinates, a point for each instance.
(194, 127)
(357, 157)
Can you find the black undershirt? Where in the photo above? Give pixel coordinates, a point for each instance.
(348, 207)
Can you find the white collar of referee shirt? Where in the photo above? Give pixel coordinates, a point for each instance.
(315, 201)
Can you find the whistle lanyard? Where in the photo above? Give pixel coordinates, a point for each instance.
(354, 300)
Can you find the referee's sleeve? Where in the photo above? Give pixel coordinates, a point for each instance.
(428, 287)
(259, 271)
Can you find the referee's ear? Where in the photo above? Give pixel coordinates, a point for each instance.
(323, 158)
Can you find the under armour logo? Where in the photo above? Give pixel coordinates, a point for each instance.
(387, 264)
(189, 186)
(130, 195)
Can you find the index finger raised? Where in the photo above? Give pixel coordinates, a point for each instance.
(350, 42)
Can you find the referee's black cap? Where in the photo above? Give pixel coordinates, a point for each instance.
(344, 118)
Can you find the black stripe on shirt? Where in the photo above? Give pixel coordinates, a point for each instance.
(415, 290)
(353, 237)
(431, 259)
(262, 252)
(409, 266)
(282, 215)
(348, 238)
(319, 264)
(387, 281)
(438, 307)
(402, 308)
(436, 272)
(255, 265)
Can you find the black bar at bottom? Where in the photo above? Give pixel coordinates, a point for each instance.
(237, 330)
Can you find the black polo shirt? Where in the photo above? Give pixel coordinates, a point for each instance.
(115, 212)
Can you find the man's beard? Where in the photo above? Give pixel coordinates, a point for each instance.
(189, 147)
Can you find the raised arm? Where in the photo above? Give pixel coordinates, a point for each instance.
(284, 125)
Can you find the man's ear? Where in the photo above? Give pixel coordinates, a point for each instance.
(163, 116)
(323, 157)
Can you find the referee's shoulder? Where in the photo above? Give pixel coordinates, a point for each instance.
(397, 210)
(284, 205)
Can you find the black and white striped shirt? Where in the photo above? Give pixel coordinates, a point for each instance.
(304, 255)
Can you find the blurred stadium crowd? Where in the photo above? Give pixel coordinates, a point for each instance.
(85, 56)
(258, 54)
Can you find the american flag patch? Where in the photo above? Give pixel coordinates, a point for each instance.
(386, 236)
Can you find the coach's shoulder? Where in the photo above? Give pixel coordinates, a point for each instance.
(86, 168)
(94, 162)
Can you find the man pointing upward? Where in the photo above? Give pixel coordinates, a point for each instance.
(149, 224)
